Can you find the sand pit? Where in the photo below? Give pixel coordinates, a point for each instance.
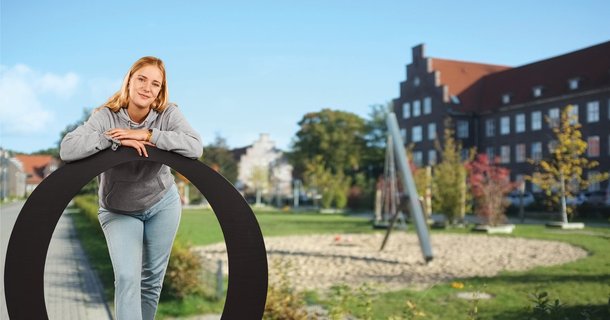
(321, 261)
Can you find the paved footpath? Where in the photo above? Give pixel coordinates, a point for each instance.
(72, 289)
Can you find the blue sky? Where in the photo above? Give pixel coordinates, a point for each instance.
(241, 68)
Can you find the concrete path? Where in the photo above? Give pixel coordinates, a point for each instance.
(72, 289)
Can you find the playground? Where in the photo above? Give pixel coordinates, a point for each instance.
(321, 261)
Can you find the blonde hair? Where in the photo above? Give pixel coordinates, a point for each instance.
(121, 98)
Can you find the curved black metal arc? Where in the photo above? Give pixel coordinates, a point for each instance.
(31, 235)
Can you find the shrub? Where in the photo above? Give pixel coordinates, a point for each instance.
(283, 301)
(183, 276)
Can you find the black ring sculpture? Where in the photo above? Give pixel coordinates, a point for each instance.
(31, 235)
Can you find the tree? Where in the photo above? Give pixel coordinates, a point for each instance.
(375, 139)
(218, 156)
(561, 176)
(333, 187)
(328, 152)
(260, 181)
(337, 136)
(490, 184)
(449, 178)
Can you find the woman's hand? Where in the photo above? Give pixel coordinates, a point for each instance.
(140, 146)
(124, 134)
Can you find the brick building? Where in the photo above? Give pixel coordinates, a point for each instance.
(502, 110)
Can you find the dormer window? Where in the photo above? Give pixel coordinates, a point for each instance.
(573, 83)
(537, 91)
(506, 98)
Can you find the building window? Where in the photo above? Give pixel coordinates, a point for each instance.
(505, 154)
(593, 146)
(506, 98)
(416, 81)
(536, 120)
(593, 111)
(504, 125)
(406, 110)
(403, 134)
(573, 116)
(554, 117)
(417, 158)
(593, 186)
(462, 129)
(416, 134)
(491, 154)
(431, 131)
(520, 123)
(537, 151)
(431, 157)
(427, 105)
(490, 127)
(537, 91)
(520, 152)
(416, 108)
(573, 83)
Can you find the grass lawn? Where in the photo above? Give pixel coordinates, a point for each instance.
(583, 286)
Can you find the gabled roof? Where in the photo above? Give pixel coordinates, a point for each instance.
(34, 166)
(591, 65)
(480, 87)
(461, 77)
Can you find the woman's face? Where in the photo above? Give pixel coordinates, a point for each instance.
(144, 86)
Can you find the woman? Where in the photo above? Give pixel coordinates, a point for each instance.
(139, 202)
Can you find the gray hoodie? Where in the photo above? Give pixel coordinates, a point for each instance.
(134, 186)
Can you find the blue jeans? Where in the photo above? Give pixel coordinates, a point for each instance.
(140, 244)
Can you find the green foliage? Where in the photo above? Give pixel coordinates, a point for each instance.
(334, 187)
(335, 136)
(88, 206)
(328, 150)
(562, 174)
(218, 156)
(449, 178)
(183, 275)
(283, 301)
(340, 297)
(376, 140)
(542, 307)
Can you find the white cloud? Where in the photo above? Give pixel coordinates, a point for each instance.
(62, 86)
(21, 94)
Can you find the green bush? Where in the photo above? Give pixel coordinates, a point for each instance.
(88, 205)
(283, 301)
(183, 276)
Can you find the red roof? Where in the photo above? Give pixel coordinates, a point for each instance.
(461, 77)
(480, 87)
(34, 166)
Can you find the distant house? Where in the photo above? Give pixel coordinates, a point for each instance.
(502, 111)
(263, 167)
(36, 168)
(12, 177)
